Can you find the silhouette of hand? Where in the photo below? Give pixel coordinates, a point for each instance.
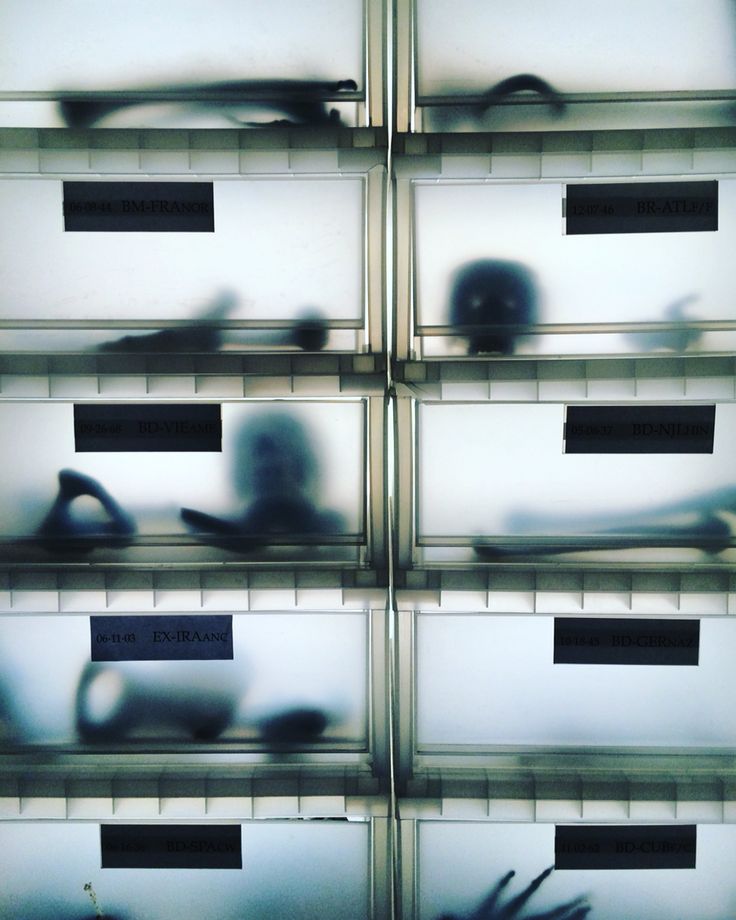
(491, 907)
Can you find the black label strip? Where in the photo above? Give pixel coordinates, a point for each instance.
(641, 207)
(146, 427)
(135, 207)
(639, 429)
(175, 846)
(195, 637)
(669, 846)
(604, 640)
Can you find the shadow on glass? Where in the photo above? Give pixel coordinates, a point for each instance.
(276, 474)
(302, 102)
(494, 908)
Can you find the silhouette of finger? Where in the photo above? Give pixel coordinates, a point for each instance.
(514, 906)
(487, 906)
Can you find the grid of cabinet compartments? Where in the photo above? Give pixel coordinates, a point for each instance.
(233, 379)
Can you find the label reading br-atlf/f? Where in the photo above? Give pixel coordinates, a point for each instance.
(635, 429)
(614, 640)
(641, 207)
(175, 846)
(194, 637)
(669, 846)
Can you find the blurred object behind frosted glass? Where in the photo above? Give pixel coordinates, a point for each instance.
(667, 278)
(491, 680)
(282, 663)
(467, 48)
(511, 478)
(37, 441)
(175, 46)
(281, 250)
(458, 863)
(314, 870)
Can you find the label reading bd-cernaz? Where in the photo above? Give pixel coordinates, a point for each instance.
(176, 846)
(669, 846)
(641, 207)
(614, 640)
(135, 207)
(639, 429)
(147, 427)
(207, 637)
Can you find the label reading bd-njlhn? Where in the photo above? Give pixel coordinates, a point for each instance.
(636, 429)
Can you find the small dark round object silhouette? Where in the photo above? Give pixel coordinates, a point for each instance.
(310, 333)
(294, 726)
(491, 293)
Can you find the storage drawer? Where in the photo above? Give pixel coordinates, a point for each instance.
(458, 864)
(277, 682)
(520, 489)
(317, 869)
(147, 481)
(485, 681)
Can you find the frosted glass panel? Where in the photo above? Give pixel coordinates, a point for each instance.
(487, 680)
(579, 47)
(460, 862)
(498, 471)
(287, 470)
(470, 48)
(184, 47)
(282, 251)
(307, 870)
(498, 243)
(294, 680)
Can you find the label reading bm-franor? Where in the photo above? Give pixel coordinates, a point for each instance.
(139, 207)
(195, 637)
(147, 427)
(641, 207)
(175, 846)
(636, 429)
(618, 640)
(669, 846)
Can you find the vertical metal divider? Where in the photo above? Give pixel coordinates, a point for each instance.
(403, 65)
(377, 55)
(403, 268)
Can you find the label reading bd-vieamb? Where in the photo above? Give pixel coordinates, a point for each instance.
(147, 427)
(669, 846)
(195, 637)
(174, 846)
(635, 429)
(641, 207)
(139, 207)
(615, 640)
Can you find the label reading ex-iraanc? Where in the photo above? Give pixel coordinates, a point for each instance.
(195, 637)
